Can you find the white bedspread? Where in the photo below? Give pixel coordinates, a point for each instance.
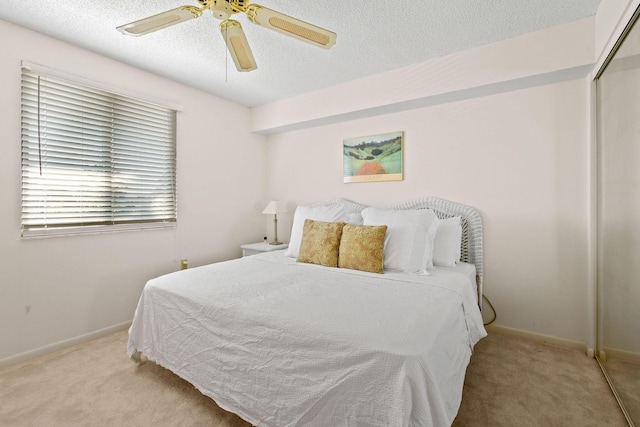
(287, 344)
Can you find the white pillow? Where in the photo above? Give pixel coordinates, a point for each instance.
(355, 218)
(409, 239)
(431, 238)
(332, 213)
(446, 247)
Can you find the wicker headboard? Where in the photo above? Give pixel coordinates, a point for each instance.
(471, 221)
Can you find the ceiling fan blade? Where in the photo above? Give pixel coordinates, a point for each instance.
(238, 45)
(289, 26)
(160, 21)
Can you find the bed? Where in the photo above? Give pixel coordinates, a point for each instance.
(282, 342)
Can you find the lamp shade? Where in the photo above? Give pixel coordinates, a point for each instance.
(274, 208)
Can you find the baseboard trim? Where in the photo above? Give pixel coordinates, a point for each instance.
(32, 354)
(542, 338)
(616, 353)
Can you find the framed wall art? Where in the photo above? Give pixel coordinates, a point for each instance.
(373, 158)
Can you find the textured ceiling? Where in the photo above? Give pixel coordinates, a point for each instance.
(373, 36)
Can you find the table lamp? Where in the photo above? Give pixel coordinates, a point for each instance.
(274, 208)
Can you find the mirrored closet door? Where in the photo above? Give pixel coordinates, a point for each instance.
(618, 123)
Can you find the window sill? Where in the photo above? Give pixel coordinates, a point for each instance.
(95, 229)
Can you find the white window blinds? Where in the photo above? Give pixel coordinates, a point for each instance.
(92, 159)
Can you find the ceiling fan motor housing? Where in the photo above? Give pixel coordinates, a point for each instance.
(223, 9)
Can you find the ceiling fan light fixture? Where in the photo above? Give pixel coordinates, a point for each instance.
(290, 26)
(160, 21)
(238, 45)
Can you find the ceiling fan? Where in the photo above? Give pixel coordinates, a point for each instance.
(232, 30)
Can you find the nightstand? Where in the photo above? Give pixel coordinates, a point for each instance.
(256, 248)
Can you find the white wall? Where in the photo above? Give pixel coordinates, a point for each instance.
(58, 289)
(517, 150)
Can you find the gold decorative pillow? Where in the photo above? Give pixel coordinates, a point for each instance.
(320, 242)
(361, 247)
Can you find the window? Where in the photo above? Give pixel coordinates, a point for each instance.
(93, 160)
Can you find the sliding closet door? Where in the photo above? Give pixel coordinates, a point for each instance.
(618, 101)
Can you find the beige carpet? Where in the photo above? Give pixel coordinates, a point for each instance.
(626, 378)
(510, 382)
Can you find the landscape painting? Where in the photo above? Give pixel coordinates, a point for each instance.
(373, 158)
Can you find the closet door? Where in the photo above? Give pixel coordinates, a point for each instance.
(618, 110)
